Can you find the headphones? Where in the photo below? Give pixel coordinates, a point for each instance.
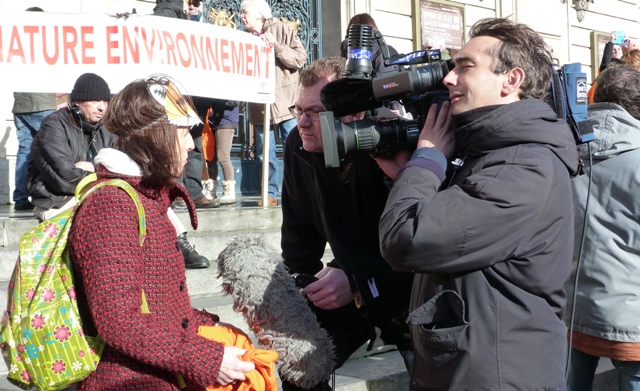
(75, 111)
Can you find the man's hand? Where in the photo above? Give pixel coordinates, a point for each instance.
(232, 367)
(86, 166)
(391, 165)
(331, 291)
(436, 132)
(269, 39)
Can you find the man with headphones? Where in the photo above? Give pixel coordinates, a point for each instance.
(62, 154)
(63, 150)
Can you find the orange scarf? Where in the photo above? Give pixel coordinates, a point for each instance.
(208, 139)
(262, 378)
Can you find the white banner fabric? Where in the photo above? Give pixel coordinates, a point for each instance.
(47, 52)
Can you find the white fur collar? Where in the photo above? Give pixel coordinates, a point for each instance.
(117, 162)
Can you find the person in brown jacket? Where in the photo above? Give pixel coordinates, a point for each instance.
(290, 56)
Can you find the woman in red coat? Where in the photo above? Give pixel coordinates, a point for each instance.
(135, 297)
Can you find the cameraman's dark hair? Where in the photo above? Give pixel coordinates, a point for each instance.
(37, 9)
(620, 84)
(330, 67)
(144, 131)
(520, 47)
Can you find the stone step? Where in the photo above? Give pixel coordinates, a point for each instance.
(226, 218)
(201, 282)
(216, 228)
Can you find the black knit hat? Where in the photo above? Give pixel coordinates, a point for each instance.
(90, 86)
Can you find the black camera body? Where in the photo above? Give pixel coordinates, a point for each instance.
(417, 84)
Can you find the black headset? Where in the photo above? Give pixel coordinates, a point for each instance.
(75, 111)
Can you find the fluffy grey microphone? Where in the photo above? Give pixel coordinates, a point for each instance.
(263, 291)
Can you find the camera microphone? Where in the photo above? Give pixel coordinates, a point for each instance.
(359, 52)
(353, 92)
(265, 293)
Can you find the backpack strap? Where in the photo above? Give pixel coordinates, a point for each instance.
(83, 192)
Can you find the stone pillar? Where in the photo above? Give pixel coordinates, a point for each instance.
(331, 28)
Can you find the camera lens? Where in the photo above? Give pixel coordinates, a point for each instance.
(377, 137)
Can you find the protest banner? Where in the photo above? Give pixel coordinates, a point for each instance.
(46, 52)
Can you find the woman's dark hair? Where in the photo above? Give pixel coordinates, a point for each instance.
(195, 3)
(620, 84)
(520, 47)
(363, 18)
(143, 128)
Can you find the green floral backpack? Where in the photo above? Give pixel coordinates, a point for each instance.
(42, 339)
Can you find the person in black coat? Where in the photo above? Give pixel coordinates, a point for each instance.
(357, 291)
(63, 150)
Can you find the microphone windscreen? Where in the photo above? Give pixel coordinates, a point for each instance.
(265, 293)
(348, 96)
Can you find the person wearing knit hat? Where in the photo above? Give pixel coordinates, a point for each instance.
(90, 95)
(62, 152)
(90, 86)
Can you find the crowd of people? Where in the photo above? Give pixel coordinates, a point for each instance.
(496, 255)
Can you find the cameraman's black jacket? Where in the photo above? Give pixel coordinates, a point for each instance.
(52, 175)
(319, 207)
(492, 247)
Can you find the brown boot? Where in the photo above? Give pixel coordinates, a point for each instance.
(271, 201)
(203, 202)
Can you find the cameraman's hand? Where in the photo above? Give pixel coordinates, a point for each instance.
(391, 165)
(331, 291)
(436, 132)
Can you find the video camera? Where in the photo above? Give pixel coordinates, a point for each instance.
(417, 84)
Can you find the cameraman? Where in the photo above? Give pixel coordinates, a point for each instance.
(491, 241)
(357, 290)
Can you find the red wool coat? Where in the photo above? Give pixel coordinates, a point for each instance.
(147, 349)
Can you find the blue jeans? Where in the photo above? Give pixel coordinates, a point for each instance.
(583, 368)
(284, 128)
(27, 125)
